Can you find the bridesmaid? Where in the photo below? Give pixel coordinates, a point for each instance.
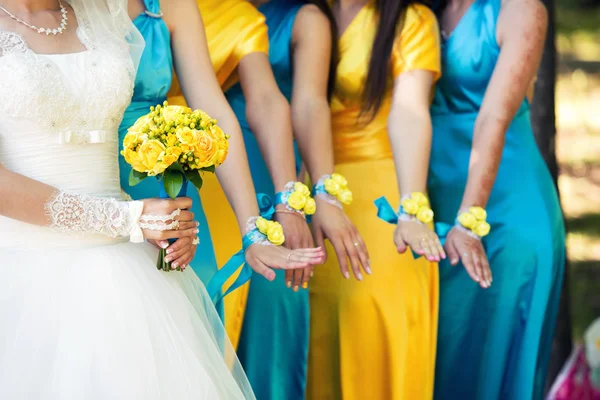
(494, 343)
(299, 53)
(238, 45)
(374, 337)
(153, 80)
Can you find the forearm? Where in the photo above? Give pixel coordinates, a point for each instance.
(269, 119)
(410, 137)
(24, 199)
(36, 203)
(486, 153)
(234, 174)
(311, 119)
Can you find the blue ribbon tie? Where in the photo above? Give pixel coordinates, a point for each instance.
(236, 261)
(387, 213)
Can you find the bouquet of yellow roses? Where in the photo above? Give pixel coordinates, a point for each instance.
(175, 145)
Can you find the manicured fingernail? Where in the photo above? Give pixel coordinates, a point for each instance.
(164, 245)
(368, 270)
(453, 261)
(312, 274)
(196, 230)
(289, 284)
(305, 285)
(169, 251)
(359, 276)
(347, 275)
(270, 275)
(197, 223)
(175, 265)
(296, 288)
(168, 259)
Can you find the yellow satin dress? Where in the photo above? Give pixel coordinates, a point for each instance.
(374, 339)
(234, 29)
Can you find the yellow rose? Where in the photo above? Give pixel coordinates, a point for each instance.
(132, 158)
(297, 200)
(171, 139)
(217, 132)
(275, 234)
(150, 152)
(174, 151)
(159, 168)
(262, 225)
(345, 196)
(410, 206)
(222, 153)
(340, 180)
(144, 122)
(131, 139)
(173, 113)
(467, 220)
(425, 215)
(187, 136)
(310, 207)
(420, 198)
(332, 187)
(206, 150)
(478, 213)
(302, 188)
(481, 229)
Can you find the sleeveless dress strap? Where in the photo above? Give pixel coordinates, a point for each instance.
(153, 8)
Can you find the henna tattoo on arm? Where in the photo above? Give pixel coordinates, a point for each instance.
(521, 31)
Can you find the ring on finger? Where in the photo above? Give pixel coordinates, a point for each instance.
(289, 256)
(356, 244)
(465, 254)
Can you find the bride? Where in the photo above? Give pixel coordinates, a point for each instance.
(84, 314)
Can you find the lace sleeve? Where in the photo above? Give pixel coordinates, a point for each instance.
(69, 212)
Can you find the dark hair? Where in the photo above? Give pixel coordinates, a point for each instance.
(390, 15)
(326, 9)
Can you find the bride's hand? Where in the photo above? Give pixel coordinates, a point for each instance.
(421, 239)
(264, 258)
(181, 253)
(187, 227)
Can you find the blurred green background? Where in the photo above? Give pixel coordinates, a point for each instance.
(578, 150)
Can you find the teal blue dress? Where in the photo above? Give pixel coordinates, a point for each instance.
(152, 83)
(493, 343)
(273, 347)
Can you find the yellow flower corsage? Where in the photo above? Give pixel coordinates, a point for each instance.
(416, 206)
(474, 221)
(296, 197)
(334, 189)
(262, 231)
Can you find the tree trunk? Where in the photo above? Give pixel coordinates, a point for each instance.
(544, 124)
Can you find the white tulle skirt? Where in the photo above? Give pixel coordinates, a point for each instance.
(104, 323)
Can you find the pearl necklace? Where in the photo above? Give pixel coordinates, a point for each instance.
(47, 31)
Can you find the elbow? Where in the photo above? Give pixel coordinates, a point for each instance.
(266, 107)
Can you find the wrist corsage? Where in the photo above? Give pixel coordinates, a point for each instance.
(415, 207)
(262, 231)
(473, 222)
(296, 197)
(333, 189)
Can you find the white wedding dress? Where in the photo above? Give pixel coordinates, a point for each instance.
(84, 316)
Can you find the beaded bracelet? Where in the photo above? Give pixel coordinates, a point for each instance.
(333, 189)
(415, 207)
(473, 222)
(296, 197)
